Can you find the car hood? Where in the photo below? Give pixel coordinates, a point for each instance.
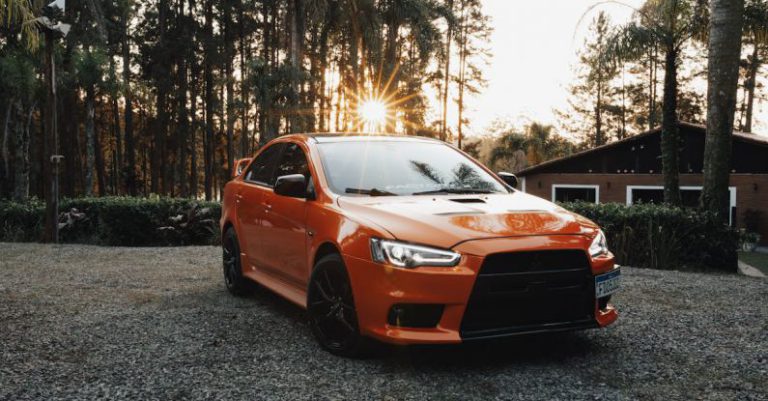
(447, 220)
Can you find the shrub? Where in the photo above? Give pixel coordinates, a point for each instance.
(663, 236)
(21, 222)
(123, 221)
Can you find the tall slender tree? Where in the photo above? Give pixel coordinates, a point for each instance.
(668, 25)
(593, 95)
(722, 78)
(473, 33)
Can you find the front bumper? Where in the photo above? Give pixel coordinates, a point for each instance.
(377, 288)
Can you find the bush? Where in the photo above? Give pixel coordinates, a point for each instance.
(642, 235)
(123, 221)
(663, 236)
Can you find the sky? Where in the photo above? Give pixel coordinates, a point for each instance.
(534, 47)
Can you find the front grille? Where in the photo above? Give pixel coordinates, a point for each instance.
(530, 291)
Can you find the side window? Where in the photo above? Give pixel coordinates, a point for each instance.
(262, 168)
(293, 162)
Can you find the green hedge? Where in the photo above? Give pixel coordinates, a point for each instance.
(663, 237)
(116, 221)
(654, 236)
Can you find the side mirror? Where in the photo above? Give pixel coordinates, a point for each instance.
(240, 165)
(293, 185)
(509, 178)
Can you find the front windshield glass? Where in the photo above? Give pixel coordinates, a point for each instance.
(392, 167)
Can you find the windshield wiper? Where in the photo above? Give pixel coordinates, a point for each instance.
(448, 190)
(371, 192)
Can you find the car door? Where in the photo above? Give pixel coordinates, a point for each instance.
(257, 183)
(284, 237)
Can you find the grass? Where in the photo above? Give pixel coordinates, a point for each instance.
(755, 259)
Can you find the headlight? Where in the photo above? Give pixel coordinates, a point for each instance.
(599, 245)
(401, 254)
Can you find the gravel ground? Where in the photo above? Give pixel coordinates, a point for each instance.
(85, 322)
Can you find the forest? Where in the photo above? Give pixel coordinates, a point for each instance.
(162, 96)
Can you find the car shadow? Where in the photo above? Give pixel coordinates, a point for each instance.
(541, 348)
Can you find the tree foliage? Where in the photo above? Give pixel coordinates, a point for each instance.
(161, 96)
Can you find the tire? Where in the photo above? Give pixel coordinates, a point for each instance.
(331, 310)
(233, 272)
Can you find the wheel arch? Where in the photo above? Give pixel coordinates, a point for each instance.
(325, 249)
(226, 226)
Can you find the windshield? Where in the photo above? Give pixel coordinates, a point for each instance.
(388, 168)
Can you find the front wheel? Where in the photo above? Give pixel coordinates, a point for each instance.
(233, 272)
(331, 310)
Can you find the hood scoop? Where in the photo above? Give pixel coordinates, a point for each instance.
(468, 200)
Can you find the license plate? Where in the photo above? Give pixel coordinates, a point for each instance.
(608, 283)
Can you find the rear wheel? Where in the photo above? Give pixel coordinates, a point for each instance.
(233, 272)
(331, 309)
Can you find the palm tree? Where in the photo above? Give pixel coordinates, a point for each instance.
(20, 13)
(539, 143)
(509, 152)
(723, 77)
(669, 25)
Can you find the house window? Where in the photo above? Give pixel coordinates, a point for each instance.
(572, 193)
(689, 196)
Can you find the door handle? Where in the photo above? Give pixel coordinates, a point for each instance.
(238, 197)
(267, 206)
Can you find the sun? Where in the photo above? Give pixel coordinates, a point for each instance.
(373, 112)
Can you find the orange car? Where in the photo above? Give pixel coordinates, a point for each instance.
(408, 240)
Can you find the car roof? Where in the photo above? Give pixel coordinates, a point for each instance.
(361, 137)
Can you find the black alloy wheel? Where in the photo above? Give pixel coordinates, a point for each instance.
(233, 274)
(331, 309)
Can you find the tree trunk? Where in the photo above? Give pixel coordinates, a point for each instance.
(72, 178)
(230, 96)
(244, 97)
(754, 66)
(99, 160)
(623, 132)
(598, 114)
(670, 136)
(355, 47)
(118, 159)
(21, 178)
(324, 104)
(194, 69)
(310, 86)
(183, 130)
(446, 77)
(90, 152)
(391, 62)
(183, 115)
(6, 135)
(652, 64)
(158, 184)
(464, 40)
(193, 137)
(296, 56)
(208, 73)
(129, 170)
(722, 78)
(263, 122)
(50, 148)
